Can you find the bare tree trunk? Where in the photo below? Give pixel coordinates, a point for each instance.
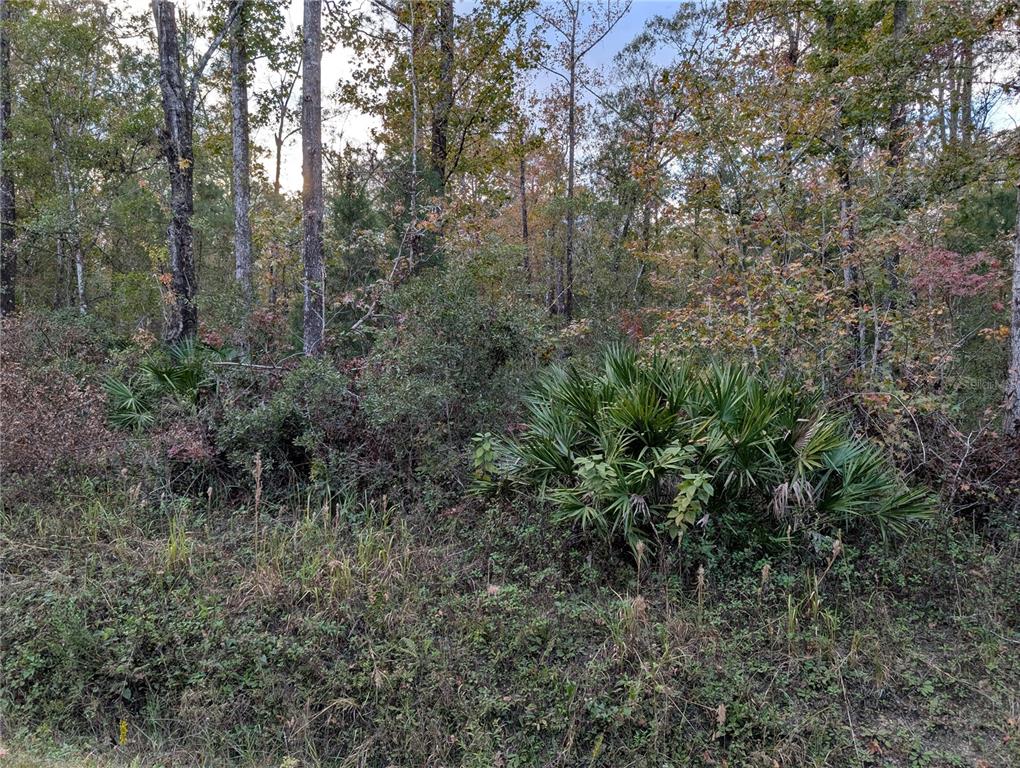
(241, 157)
(898, 105)
(565, 295)
(279, 160)
(178, 147)
(1012, 424)
(8, 257)
(524, 213)
(967, 94)
(954, 96)
(61, 284)
(444, 97)
(311, 166)
(896, 147)
(851, 276)
(75, 236)
(413, 234)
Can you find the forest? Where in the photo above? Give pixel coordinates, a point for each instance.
(501, 383)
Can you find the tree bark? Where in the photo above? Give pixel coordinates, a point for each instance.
(241, 157)
(444, 100)
(177, 143)
(8, 257)
(311, 167)
(524, 213)
(967, 93)
(1012, 424)
(898, 102)
(896, 147)
(565, 296)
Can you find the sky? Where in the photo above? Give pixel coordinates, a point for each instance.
(346, 124)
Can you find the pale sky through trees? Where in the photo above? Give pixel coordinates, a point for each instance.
(345, 124)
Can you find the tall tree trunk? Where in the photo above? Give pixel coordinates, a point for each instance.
(176, 139)
(8, 257)
(178, 147)
(954, 95)
(79, 273)
(1012, 425)
(75, 234)
(444, 97)
(967, 93)
(851, 276)
(896, 147)
(565, 296)
(241, 156)
(311, 167)
(523, 179)
(898, 102)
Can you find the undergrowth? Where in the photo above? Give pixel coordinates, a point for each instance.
(341, 630)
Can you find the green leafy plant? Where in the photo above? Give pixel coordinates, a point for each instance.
(130, 404)
(649, 451)
(180, 370)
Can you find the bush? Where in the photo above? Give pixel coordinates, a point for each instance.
(298, 430)
(451, 363)
(647, 452)
(51, 419)
(180, 371)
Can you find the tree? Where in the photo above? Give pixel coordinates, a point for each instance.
(444, 95)
(314, 317)
(241, 166)
(577, 41)
(8, 257)
(177, 141)
(1012, 425)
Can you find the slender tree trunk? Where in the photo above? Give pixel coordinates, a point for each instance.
(8, 257)
(444, 97)
(898, 102)
(954, 96)
(524, 213)
(311, 167)
(277, 164)
(241, 157)
(1012, 425)
(79, 273)
(967, 94)
(941, 100)
(75, 235)
(896, 147)
(851, 276)
(565, 295)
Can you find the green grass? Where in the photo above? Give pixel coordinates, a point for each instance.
(358, 634)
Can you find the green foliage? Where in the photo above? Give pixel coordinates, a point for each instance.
(180, 371)
(484, 626)
(647, 451)
(446, 368)
(300, 427)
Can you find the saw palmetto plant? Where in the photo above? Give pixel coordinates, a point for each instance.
(649, 451)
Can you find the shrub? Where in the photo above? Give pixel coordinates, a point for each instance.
(451, 363)
(646, 452)
(51, 415)
(179, 371)
(302, 424)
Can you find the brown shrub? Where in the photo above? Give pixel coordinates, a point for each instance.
(51, 421)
